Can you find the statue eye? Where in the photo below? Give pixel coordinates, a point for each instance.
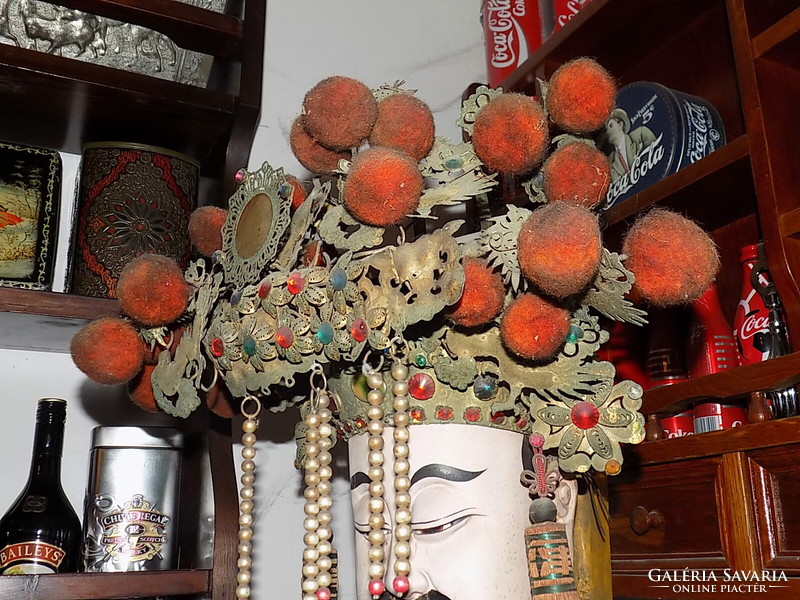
(445, 524)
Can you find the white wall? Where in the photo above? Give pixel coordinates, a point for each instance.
(436, 47)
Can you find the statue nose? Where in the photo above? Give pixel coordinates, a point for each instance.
(416, 582)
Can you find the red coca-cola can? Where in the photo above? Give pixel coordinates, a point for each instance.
(565, 10)
(678, 425)
(712, 416)
(512, 29)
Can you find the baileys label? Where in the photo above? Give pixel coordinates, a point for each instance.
(30, 557)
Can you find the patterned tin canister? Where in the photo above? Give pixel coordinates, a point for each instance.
(131, 508)
(652, 133)
(133, 200)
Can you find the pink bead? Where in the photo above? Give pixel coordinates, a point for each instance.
(376, 587)
(400, 585)
(323, 594)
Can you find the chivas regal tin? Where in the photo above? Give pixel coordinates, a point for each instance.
(131, 507)
(652, 133)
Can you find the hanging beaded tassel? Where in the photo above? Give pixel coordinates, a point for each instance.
(377, 536)
(318, 554)
(245, 548)
(402, 482)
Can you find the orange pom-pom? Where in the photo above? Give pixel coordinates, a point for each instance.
(108, 350)
(405, 123)
(312, 155)
(339, 112)
(510, 134)
(205, 229)
(295, 192)
(482, 298)
(672, 258)
(152, 291)
(383, 186)
(580, 96)
(559, 248)
(534, 328)
(140, 390)
(578, 174)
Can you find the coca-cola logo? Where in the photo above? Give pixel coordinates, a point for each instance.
(644, 162)
(753, 324)
(572, 7)
(506, 33)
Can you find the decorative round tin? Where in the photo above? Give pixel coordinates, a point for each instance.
(652, 133)
(712, 416)
(131, 508)
(678, 425)
(133, 199)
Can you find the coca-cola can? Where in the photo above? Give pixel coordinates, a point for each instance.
(512, 29)
(565, 10)
(678, 425)
(713, 416)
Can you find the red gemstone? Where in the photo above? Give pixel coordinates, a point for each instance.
(498, 418)
(585, 415)
(323, 594)
(284, 336)
(376, 587)
(536, 440)
(444, 413)
(361, 422)
(472, 414)
(295, 283)
(421, 386)
(521, 423)
(400, 585)
(417, 415)
(217, 347)
(264, 289)
(359, 329)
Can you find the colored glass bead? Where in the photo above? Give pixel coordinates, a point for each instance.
(400, 585)
(217, 347)
(574, 334)
(521, 423)
(284, 336)
(472, 414)
(417, 415)
(216, 256)
(359, 329)
(485, 388)
(421, 361)
(323, 594)
(444, 413)
(376, 587)
(453, 163)
(296, 283)
(613, 467)
(498, 418)
(264, 288)
(240, 176)
(285, 190)
(536, 440)
(236, 297)
(361, 422)
(325, 333)
(421, 386)
(585, 415)
(249, 346)
(338, 278)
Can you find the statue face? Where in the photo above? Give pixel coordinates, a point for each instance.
(469, 513)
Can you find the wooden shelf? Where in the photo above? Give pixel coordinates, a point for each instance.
(105, 586)
(53, 304)
(781, 41)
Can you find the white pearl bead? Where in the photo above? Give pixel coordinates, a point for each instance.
(243, 577)
(244, 548)
(401, 435)
(375, 412)
(311, 464)
(399, 371)
(246, 493)
(400, 403)
(324, 579)
(324, 517)
(402, 499)
(325, 444)
(311, 493)
(325, 415)
(402, 549)
(402, 515)
(311, 449)
(310, 555)
(376, 505)
(324, 487)
(249, 426)
(401, 466)
(325, 458)
(245, 534)
(402, 567)
(310, 585)
(310, 524)
(311, 508)
(324, 533)
(400, 388)
(310, 570)
(325, 502)
(400, 450)
(375, 473)
(324, 548)
(400, 419)
(309, 597)
(375, 427)
(375, 381)
(246, 506)
(376, 571)
(243, 591)
(312, 435)
(402, 532)
(244, 563)
(376, 537)
(248, 479)
(376, 489)
(325, 472)
(248, 439)
(325, 430)
(376, 554)
(246, 520)
(376, 520)
(325, 563)
(313, 420)
(311, 539)
(248, 466)
(375, 442)
(248, 452)
(312, 478)
(402, 483)
(375, 397)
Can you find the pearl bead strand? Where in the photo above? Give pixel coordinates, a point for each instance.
(402, 482)
(376, 536)
(247, 493)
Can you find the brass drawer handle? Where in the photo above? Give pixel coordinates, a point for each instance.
(643, 520)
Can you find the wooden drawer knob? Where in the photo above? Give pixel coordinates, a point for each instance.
(643, 520)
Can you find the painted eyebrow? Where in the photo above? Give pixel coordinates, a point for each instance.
(445, 472)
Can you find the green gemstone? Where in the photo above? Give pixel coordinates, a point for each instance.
(420, 360)
(249, 346)
(574, 334)
(325, 333)
(453, 163)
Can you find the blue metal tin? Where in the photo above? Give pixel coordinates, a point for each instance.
(652, 133)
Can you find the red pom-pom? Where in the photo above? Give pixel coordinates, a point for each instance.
(312, 155)
(383, 186)
(578, 174)
(534, 328)
(510, 134)
(108, 350)
(482, 298)
(672, 258)
(339, 112)
(559, 248)
(297, 193)
(140, 390)
(205, 229)
(152, 291)
(580, 96)
(405, 123)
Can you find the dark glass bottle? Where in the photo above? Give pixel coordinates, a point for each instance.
(41, 533)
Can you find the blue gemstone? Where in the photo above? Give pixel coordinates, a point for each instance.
(485, 388)
(325, 333)
(236, 296)
(284, 190)
(574, 334)
(249, 346)
(338, 278)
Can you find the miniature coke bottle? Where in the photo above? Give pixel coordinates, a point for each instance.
(711, 346)
(750, 324)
